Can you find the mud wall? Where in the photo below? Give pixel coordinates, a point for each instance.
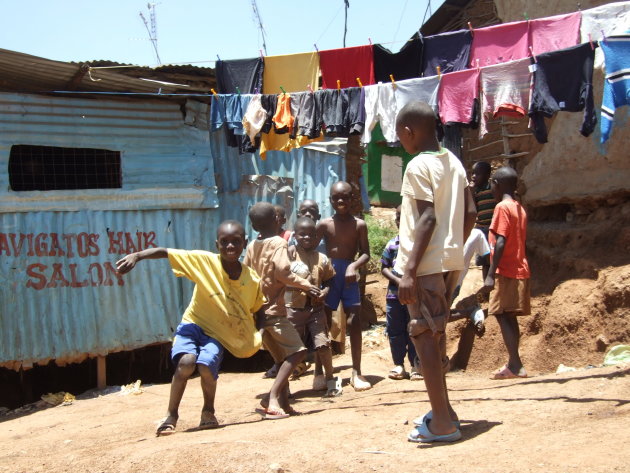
(571, 168)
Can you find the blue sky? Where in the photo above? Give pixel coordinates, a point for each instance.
(197, 30)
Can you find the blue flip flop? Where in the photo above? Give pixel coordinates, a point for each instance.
(418, 421)
(422, 434)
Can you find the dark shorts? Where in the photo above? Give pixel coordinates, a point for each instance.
(310, 324)
(432, 307)
(347, 294)
(191, 340)
(280, 338)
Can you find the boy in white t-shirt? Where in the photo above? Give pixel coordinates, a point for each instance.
(437, 214)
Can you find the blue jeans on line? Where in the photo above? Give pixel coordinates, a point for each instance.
(399, 341)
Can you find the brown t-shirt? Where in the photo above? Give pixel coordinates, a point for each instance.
(270, 259)
(311, 265)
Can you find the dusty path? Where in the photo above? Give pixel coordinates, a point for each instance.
(570, 422)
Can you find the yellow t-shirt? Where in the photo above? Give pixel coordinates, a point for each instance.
(440, 178)
(222, 307)
(291, 71)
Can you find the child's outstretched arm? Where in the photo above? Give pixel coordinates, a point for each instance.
(488, 284)
(127, 263)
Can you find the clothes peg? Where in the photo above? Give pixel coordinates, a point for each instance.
(315, 46)
(214, 92)
(338, 84)
(531, 51)
(370, 40)
(261, 54)
(283, 91)
(238, 91)
(471, 28)
(391, 77)
(590, 40)
(359, 82)
(218, 58)
(477, 63)
(526, 16)
(256, 91)
(310, 89)
(439, 71)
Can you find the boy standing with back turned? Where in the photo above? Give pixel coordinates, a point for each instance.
(345, 236)
(508, 277)
(437, 215)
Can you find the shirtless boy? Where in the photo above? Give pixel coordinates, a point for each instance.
(345, 236)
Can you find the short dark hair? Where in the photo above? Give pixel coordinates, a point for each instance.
(483, 166)
(340, 184)
(262, 214)
(232, 223)
(506, 176)
(416, 115)
(280, 210)
(304, 221)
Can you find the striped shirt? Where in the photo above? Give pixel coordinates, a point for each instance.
(388, 260)
(485, 206)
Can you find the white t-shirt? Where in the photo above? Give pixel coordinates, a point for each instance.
(440, 178)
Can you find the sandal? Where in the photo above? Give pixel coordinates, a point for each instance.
(422, 434)
(208, 421)
(166, 427)
(397, 372)
(505, 373)
(334, 387)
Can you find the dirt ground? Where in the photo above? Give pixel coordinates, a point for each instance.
(575, 421)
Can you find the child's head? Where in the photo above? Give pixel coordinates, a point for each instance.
(309, 208)
(415, 126)
(341, 197)
(504, 181)
(230, 240)
(481, 173)
(263, 218)
(398, 216)
(280, 215)
(305, 233)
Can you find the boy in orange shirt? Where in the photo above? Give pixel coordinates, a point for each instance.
(508, 276)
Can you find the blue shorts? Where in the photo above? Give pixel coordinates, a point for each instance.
(348, 294)
(191, 340)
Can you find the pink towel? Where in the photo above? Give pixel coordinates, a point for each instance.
(554, 32)
(458, 91)
(500, 43)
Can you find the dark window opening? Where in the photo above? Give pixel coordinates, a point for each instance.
(48, 168)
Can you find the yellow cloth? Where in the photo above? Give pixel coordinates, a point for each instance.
(273, 142)
(293, 72)
(222, 307)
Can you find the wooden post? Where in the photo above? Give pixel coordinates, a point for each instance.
(101, 378)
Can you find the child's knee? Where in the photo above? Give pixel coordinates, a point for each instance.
(186, 364)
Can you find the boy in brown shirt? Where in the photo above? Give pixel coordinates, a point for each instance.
(268, 257)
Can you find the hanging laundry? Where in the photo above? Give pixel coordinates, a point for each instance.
(405, 64)
(380, 107)
(345, 65)
(254, 118)
(563, 81)
(612, 19)
(308, 119)
(283, 118)
(343, 111)
(617, 80)
(269, 103)
(499, 43)
(554, 32)
(246, 74)
(457, 94)
(292, 72)
(228, 110)
(505, 90)
(273, 142)
(417, 90)
(448, 51)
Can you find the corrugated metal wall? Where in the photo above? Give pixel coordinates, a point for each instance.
(59, 296)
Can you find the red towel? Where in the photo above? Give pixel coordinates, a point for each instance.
(346, 65)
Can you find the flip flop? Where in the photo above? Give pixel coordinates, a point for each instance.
(418, 421)
(272, 414)
(334, 387)
(165, 428)
(397, 372)
(209, 422)
(359, 383)
(505, 373)
(422, 434)
(415, 376)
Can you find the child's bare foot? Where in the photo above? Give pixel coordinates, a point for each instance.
(167, 426)
(208, 421)
(319, 382)
(358, 382)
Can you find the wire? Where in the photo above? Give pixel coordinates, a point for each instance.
(330, 23)
(402, 13)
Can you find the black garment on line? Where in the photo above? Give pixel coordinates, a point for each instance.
(246, 74)
(405, 64)
(342, 111)
(308, 115)
(450, 51)
(269, 102)
(563, 80)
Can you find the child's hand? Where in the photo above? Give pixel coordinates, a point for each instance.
(351, 275)
(127, 263)
(488, 285)
(322, 295)
(292, 251)
(407, 290)
(314, 292)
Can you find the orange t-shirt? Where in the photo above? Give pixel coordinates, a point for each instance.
(510, 221)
